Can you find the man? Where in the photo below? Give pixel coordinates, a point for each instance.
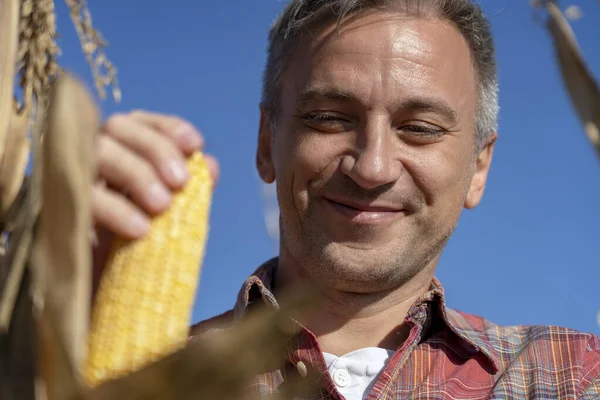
(378, 123)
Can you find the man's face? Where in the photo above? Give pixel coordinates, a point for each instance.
(373, 151)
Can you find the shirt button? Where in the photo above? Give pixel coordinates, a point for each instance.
(302, 370)
(341, 377)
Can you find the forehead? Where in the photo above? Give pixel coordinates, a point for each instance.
(382, 56)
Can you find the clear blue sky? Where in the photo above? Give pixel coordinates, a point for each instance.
(528, 255)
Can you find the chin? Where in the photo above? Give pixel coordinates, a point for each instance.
(358, 266)
(362, 270)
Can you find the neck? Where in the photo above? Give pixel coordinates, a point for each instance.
(346, 321)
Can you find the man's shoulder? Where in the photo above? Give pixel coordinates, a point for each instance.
(547, 359)
(479, 326)
(528, 343)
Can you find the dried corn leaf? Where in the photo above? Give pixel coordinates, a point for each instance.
(14, 163)
(19, 221)
(9, 35)
(62, 248)
(15, 261)
(582, 87)
(58, 378)
(16, 319)
(213, 366)
(220, 365)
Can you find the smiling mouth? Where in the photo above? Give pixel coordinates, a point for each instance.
(364, 214)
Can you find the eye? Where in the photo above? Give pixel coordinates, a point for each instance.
(422, 131)
(326, 122)
(319, 117)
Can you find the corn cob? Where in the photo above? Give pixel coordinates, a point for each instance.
(143, 306)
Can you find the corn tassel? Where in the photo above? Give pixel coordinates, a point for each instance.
(144, 302)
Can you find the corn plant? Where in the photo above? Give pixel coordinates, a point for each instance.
(45, 262)
(581, 85)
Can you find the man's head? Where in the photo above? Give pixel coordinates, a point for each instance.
(377, 122)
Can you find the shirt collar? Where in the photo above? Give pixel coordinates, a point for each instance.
(471, 330)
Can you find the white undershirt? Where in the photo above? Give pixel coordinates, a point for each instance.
(354, 373)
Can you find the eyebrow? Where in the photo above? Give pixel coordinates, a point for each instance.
(413, 104)
(315, 94)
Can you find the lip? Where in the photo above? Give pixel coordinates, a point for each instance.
(370, 214)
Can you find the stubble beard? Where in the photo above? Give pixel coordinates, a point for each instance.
(340, 267)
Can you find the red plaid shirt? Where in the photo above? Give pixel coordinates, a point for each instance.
(450, 355)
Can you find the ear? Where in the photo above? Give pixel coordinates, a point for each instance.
(264, 155)
(479, 179)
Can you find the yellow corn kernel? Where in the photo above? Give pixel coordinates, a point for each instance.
(143, 306)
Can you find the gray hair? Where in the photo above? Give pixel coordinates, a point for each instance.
(300, 15)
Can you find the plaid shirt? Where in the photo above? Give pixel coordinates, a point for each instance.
(449, 355)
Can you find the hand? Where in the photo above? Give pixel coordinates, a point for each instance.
(141, 162)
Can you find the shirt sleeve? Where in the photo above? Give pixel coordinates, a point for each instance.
(592, 392)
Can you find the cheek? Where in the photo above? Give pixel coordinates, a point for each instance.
(305, 160)
(439, 174)
(318, 158)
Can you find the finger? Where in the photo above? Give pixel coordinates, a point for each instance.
(188, 138)
(125, 170)
(117, 214)
(213, 167)
(151, 145)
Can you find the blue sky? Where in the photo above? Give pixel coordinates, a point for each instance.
(527, 255)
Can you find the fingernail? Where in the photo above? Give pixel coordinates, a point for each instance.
(189, 136)
(158, 195)
(178, 171)
(139, 224)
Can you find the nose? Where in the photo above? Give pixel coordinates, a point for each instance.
(375, 162)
